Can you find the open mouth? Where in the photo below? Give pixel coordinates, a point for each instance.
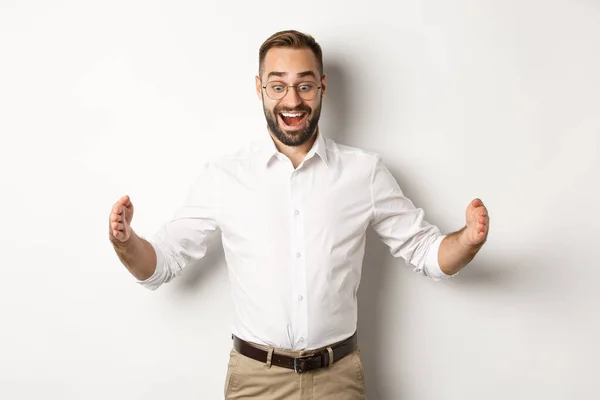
(292, 120)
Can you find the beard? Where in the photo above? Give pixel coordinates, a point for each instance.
(297, 137)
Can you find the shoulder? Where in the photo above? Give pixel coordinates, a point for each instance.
(351, 154)
(239, 153)
(242, 151)
(241, 157)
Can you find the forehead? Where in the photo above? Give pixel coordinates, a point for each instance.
(291, 61)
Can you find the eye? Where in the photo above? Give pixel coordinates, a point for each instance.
(277, 88)
(305, 87)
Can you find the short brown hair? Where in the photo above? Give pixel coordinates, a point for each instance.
(290, 39)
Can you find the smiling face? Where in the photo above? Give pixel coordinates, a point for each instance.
(293, 118)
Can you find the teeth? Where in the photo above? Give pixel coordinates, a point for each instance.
(291, 114)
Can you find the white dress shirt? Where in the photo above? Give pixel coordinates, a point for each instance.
(294, 239)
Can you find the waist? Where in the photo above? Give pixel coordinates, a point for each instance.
(294, 339)
(298, 360)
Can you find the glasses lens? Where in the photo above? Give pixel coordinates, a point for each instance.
(278, 90)
(307, 91)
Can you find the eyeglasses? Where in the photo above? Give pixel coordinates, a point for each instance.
(277, 90)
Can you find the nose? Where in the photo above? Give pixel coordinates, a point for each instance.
(291, 98)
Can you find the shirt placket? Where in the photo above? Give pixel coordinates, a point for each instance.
(300, 326)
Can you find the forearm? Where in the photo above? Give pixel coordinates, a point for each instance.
(455, 252)
(137, 254)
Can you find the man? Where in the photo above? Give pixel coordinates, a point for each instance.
(293, 210)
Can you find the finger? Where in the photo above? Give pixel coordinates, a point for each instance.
(116, 216)
(477, 202)
(478, 238)
(118, 208)
(117, 226)
(119, 235)
(125, 200)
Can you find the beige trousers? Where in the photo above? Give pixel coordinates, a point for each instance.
(250, 379)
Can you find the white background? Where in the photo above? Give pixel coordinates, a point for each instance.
(463, 99)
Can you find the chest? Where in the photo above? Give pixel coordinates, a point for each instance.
(314, 202)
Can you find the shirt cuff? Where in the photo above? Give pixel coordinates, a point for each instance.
(154, 281)
(432, 265)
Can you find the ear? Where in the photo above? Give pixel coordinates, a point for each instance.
(323, 84)
(258, 87)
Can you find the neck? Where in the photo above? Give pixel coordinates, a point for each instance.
(296, 154)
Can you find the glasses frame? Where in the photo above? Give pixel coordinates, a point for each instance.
(287, 88)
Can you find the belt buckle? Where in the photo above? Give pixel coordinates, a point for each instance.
(298, 360)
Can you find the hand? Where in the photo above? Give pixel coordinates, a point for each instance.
(120, 219)
(478, 223)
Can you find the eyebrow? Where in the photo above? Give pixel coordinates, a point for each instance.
(300, 75)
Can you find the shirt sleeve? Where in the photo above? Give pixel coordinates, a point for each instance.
(402, 227)
(184, 239)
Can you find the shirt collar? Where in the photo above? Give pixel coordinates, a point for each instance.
(269, 150)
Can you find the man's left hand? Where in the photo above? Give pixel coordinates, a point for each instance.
(478, 223)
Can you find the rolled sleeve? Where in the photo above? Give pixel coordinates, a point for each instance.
(158, 277)
(402, 226)
(184, 239)
(432, 265)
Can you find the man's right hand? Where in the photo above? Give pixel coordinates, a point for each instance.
(120, 220)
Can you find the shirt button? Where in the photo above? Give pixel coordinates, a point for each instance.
(298, 255)
(300, 298)
(301, 340)
(296, 212)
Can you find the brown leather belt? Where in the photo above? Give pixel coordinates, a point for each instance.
(300, 364)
